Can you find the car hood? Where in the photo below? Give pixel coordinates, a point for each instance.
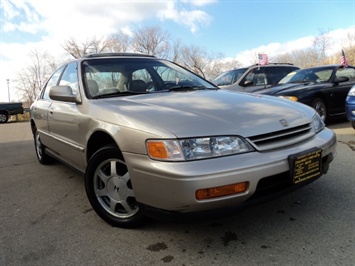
(207, 113)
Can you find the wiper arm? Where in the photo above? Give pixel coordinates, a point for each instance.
(118, 93)
(181, 88)
(190, 88)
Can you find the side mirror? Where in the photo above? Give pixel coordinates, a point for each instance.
(63, 93)
(248, 83)
(341, 79)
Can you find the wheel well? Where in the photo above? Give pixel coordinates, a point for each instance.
(98, 140)
(33, 126)
(319, 96)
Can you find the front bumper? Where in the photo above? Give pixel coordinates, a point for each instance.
(171, 186)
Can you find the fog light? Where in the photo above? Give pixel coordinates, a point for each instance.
(216, 192)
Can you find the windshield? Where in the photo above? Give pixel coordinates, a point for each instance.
(229, 77)
(125, 76)
(315, 75)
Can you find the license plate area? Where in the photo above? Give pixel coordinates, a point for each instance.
(305, 165)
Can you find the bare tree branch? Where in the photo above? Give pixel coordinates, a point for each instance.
(31, 79)
(151, 40)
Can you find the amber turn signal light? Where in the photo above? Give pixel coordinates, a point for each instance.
(157, 149)
(216, 192)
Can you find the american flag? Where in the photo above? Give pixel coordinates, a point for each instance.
(344, 61)
(263, 60)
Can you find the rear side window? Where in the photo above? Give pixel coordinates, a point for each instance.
(256, 77)
(230, 77)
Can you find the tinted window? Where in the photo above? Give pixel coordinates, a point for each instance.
(321, 74)
(230, 77)
(277, 73)
(256, 77)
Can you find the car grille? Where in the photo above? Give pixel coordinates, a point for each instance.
(282, 138)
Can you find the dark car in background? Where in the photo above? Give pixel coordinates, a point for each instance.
(254, 77)
(8, 109)
(350, 106)
(323, 87)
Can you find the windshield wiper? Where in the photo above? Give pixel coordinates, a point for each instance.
(117, 94)
(190, 88)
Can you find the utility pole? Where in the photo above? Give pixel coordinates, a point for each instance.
(8, 88)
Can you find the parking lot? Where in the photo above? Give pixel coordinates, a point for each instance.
(46, 219)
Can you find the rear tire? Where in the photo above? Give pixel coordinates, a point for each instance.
(319, 105)
(352, 124)
(109, 189)
(4, 117)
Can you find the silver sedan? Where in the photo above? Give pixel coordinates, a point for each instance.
(153, 138)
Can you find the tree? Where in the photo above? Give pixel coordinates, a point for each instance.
(119, 42)
(92, 45)
(31, 79)
(151, 40)
(349, 48)
(194, 58)
(321, 44)
(301, 58)
(175, 51)
(217, 64)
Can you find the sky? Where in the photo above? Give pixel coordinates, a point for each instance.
(238, 29)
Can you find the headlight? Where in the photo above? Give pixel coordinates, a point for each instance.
(352, 91)
(196, 148)
(318, 123)
(292, 98)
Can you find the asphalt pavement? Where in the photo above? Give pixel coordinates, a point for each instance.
(46, 219)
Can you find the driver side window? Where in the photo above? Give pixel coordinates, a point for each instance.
(346, 72)
(53, 81)
(70, 78)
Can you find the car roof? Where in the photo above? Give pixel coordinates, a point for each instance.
(259, 65)
(331, 66)
(103, 55)
(272, 65)
(326, 66)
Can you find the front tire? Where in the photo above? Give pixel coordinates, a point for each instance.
(321, 108)
(109, 189)
(352, 124)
